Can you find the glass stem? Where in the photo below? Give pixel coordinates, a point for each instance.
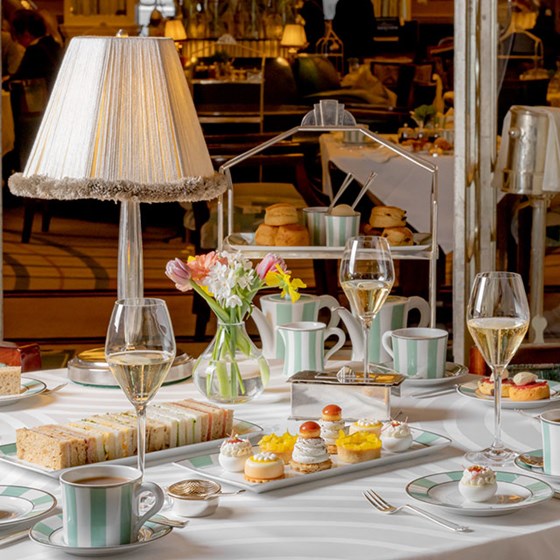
(141, 445)
(497, 374)
(366, 351)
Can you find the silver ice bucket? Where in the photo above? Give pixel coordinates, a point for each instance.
(527, 139)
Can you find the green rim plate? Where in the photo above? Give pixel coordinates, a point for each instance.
(21, 503)
(515, 491)
(29, 388)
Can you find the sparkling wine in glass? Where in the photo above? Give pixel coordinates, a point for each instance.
(140, 348)
(498, 319)
(366, 276)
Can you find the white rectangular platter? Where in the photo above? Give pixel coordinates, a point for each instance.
(240, 427)
(207, 465)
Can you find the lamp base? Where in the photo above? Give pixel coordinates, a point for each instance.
(90, 368)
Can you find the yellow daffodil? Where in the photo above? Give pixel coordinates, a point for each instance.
(282, 279)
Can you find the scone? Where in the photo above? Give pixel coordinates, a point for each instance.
(310, 451)
(331, 423)
(486, 387)
(266, 235)
(263, 467)
(527, 386)
(280, 214)
(292, 235)
(398, 236)
(282, 446)
(358, 447)
(387, 216)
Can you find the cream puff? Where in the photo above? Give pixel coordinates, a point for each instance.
(396, 436)
(310, 451)
(234, 451)
(331, 423)
(263, 467)
(478, 483)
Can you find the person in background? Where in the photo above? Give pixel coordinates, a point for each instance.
(354, 23)
(42, 53)
(312, 13)
(12, 53)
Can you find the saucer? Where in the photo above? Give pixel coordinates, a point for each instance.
(534, 469)
(20, 503)
(515, 491)
(29, 388)
(48, 532)
(453, 372)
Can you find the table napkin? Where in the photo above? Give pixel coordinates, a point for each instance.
(551, 178)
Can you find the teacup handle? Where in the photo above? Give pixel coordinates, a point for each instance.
(416, 302)
(341, 340)
(387, 343)
(330, 302)
(159, 496)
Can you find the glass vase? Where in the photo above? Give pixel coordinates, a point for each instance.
(232, 369)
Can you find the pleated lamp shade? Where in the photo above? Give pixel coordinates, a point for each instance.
(120, 125)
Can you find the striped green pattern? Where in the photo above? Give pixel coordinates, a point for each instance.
(24, 503)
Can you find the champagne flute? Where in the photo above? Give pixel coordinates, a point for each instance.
(366, 276)
(140, 348)
(497, 318)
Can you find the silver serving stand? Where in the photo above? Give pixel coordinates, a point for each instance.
(330, 116)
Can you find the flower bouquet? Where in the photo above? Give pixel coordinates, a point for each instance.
(232, 369)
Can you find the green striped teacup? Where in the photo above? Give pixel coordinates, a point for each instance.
(417, 352)
(100, 505)
(341, 228)
(550, 423)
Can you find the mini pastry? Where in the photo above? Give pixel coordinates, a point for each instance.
(478, 483)
(526, 386)
(396, 436)
(331, 424)
(310, 451)
(486, 386)
(234, 451)
(292, 235)
(358, 447)
(398, 236)
(282, 446)
(280, 214)
(387, 216)
(366, 425)
(263, 467)
(266, 235)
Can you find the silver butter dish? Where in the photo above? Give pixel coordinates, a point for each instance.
(358, 397)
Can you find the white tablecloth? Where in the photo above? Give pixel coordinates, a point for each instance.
(398, 183)
(326, 519)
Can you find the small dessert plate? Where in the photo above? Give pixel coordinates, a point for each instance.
(48, 532)
(29, 388)
(453, 373)
(515, 491)
(20, 503)
(531, 461)
(470, 390)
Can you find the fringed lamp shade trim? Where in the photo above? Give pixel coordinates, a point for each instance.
(189, 189)
(120, 124)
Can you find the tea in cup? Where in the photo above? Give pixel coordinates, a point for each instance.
(417, 352)
(550, 424)
(304, 343)
(101, 503)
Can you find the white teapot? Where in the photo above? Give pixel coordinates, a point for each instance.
(277, 310)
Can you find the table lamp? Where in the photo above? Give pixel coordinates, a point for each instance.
(120, 125)
(293, 38)
(175, 29)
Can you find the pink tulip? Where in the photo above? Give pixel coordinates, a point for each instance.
(268, 264)
(179, 272)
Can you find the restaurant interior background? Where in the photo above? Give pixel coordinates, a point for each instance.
(60, 258)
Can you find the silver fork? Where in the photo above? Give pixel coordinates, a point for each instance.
(379, 503)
